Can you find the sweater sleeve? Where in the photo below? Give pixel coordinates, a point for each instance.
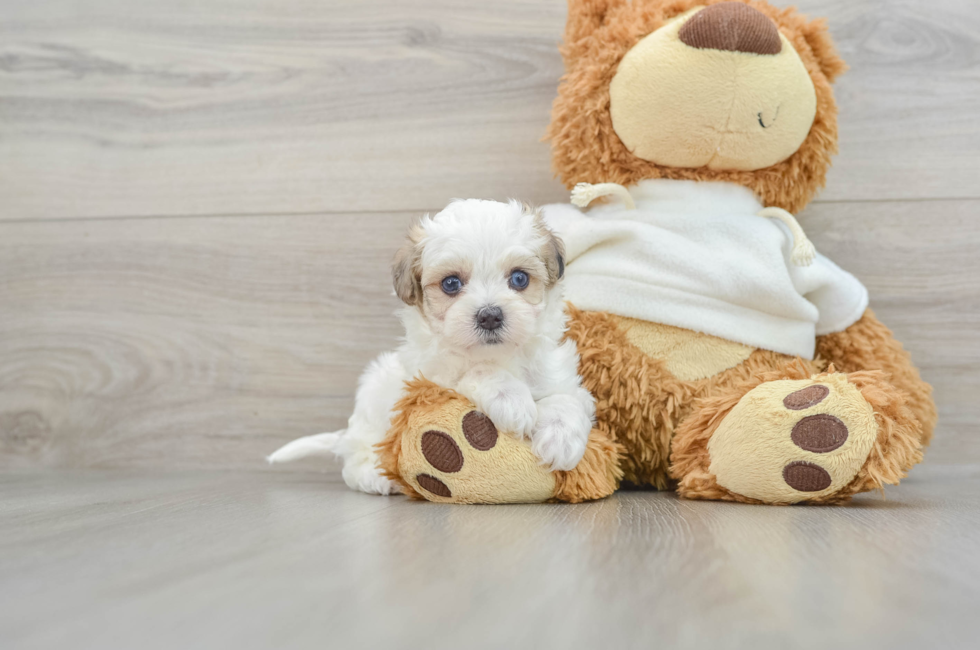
(839, 297)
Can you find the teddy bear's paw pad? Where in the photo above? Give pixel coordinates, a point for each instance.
(455, 454)
(434, 486)
(806, 477)
(794, 440)
(820, 433)
(479, 431)
(806, 397)
(442, 452)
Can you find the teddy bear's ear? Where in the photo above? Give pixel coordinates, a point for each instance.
(818, 38)
(586, 16)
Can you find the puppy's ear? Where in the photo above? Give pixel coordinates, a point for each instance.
(406, 269)
(553, 250)
(555, 258)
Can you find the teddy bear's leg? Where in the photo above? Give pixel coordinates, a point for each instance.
(788, 437)
(441, 448)
(869, 345)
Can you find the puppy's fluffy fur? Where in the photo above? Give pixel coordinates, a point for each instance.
(483, 315)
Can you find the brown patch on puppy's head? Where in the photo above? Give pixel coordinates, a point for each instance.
(779, 149)
(406, 269)
(552, 253)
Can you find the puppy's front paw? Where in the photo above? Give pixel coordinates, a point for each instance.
(512, 409)
(561, 433)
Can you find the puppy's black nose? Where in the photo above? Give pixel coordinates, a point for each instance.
(490, 318)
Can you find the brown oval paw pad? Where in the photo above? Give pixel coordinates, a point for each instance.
(819, 433)
(479, 431)
(441, 451)
(806, 397)
(806, 477)
(433, 485)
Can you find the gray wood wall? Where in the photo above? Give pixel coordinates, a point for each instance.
(199, 199)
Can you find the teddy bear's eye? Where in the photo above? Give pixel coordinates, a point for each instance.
(451, 285)
(518, 280)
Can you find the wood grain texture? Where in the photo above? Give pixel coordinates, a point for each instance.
(272, 560)
(198, 204)
(182, 107)
(208, 342)
(176, 341)
(196, 340)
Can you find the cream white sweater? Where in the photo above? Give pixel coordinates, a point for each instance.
(696, 255)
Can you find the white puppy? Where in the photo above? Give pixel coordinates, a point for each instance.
(484, 316)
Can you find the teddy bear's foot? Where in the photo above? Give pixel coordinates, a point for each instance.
(455, 454)
(442, 449)
(819, 439)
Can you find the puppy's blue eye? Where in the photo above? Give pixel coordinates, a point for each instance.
(518, 280)
(451, 285)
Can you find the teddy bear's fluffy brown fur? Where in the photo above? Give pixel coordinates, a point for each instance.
(664, 423)
(652, 427)
(586, 148)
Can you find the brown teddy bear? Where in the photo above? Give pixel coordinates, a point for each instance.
(729, 360)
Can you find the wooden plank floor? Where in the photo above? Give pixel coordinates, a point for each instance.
(208, 342)
(198, 203)
(272, 560)
(255, 107)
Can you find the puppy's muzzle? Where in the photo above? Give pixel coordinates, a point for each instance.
(490, 318)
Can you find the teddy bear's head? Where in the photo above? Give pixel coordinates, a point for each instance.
(697, 89)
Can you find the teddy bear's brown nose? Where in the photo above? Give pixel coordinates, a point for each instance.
(731, 26)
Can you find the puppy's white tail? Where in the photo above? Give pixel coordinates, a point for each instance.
(321, 444)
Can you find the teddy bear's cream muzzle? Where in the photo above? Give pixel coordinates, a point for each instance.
(683, 105)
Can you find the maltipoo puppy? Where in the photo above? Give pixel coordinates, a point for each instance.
(483, 316)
